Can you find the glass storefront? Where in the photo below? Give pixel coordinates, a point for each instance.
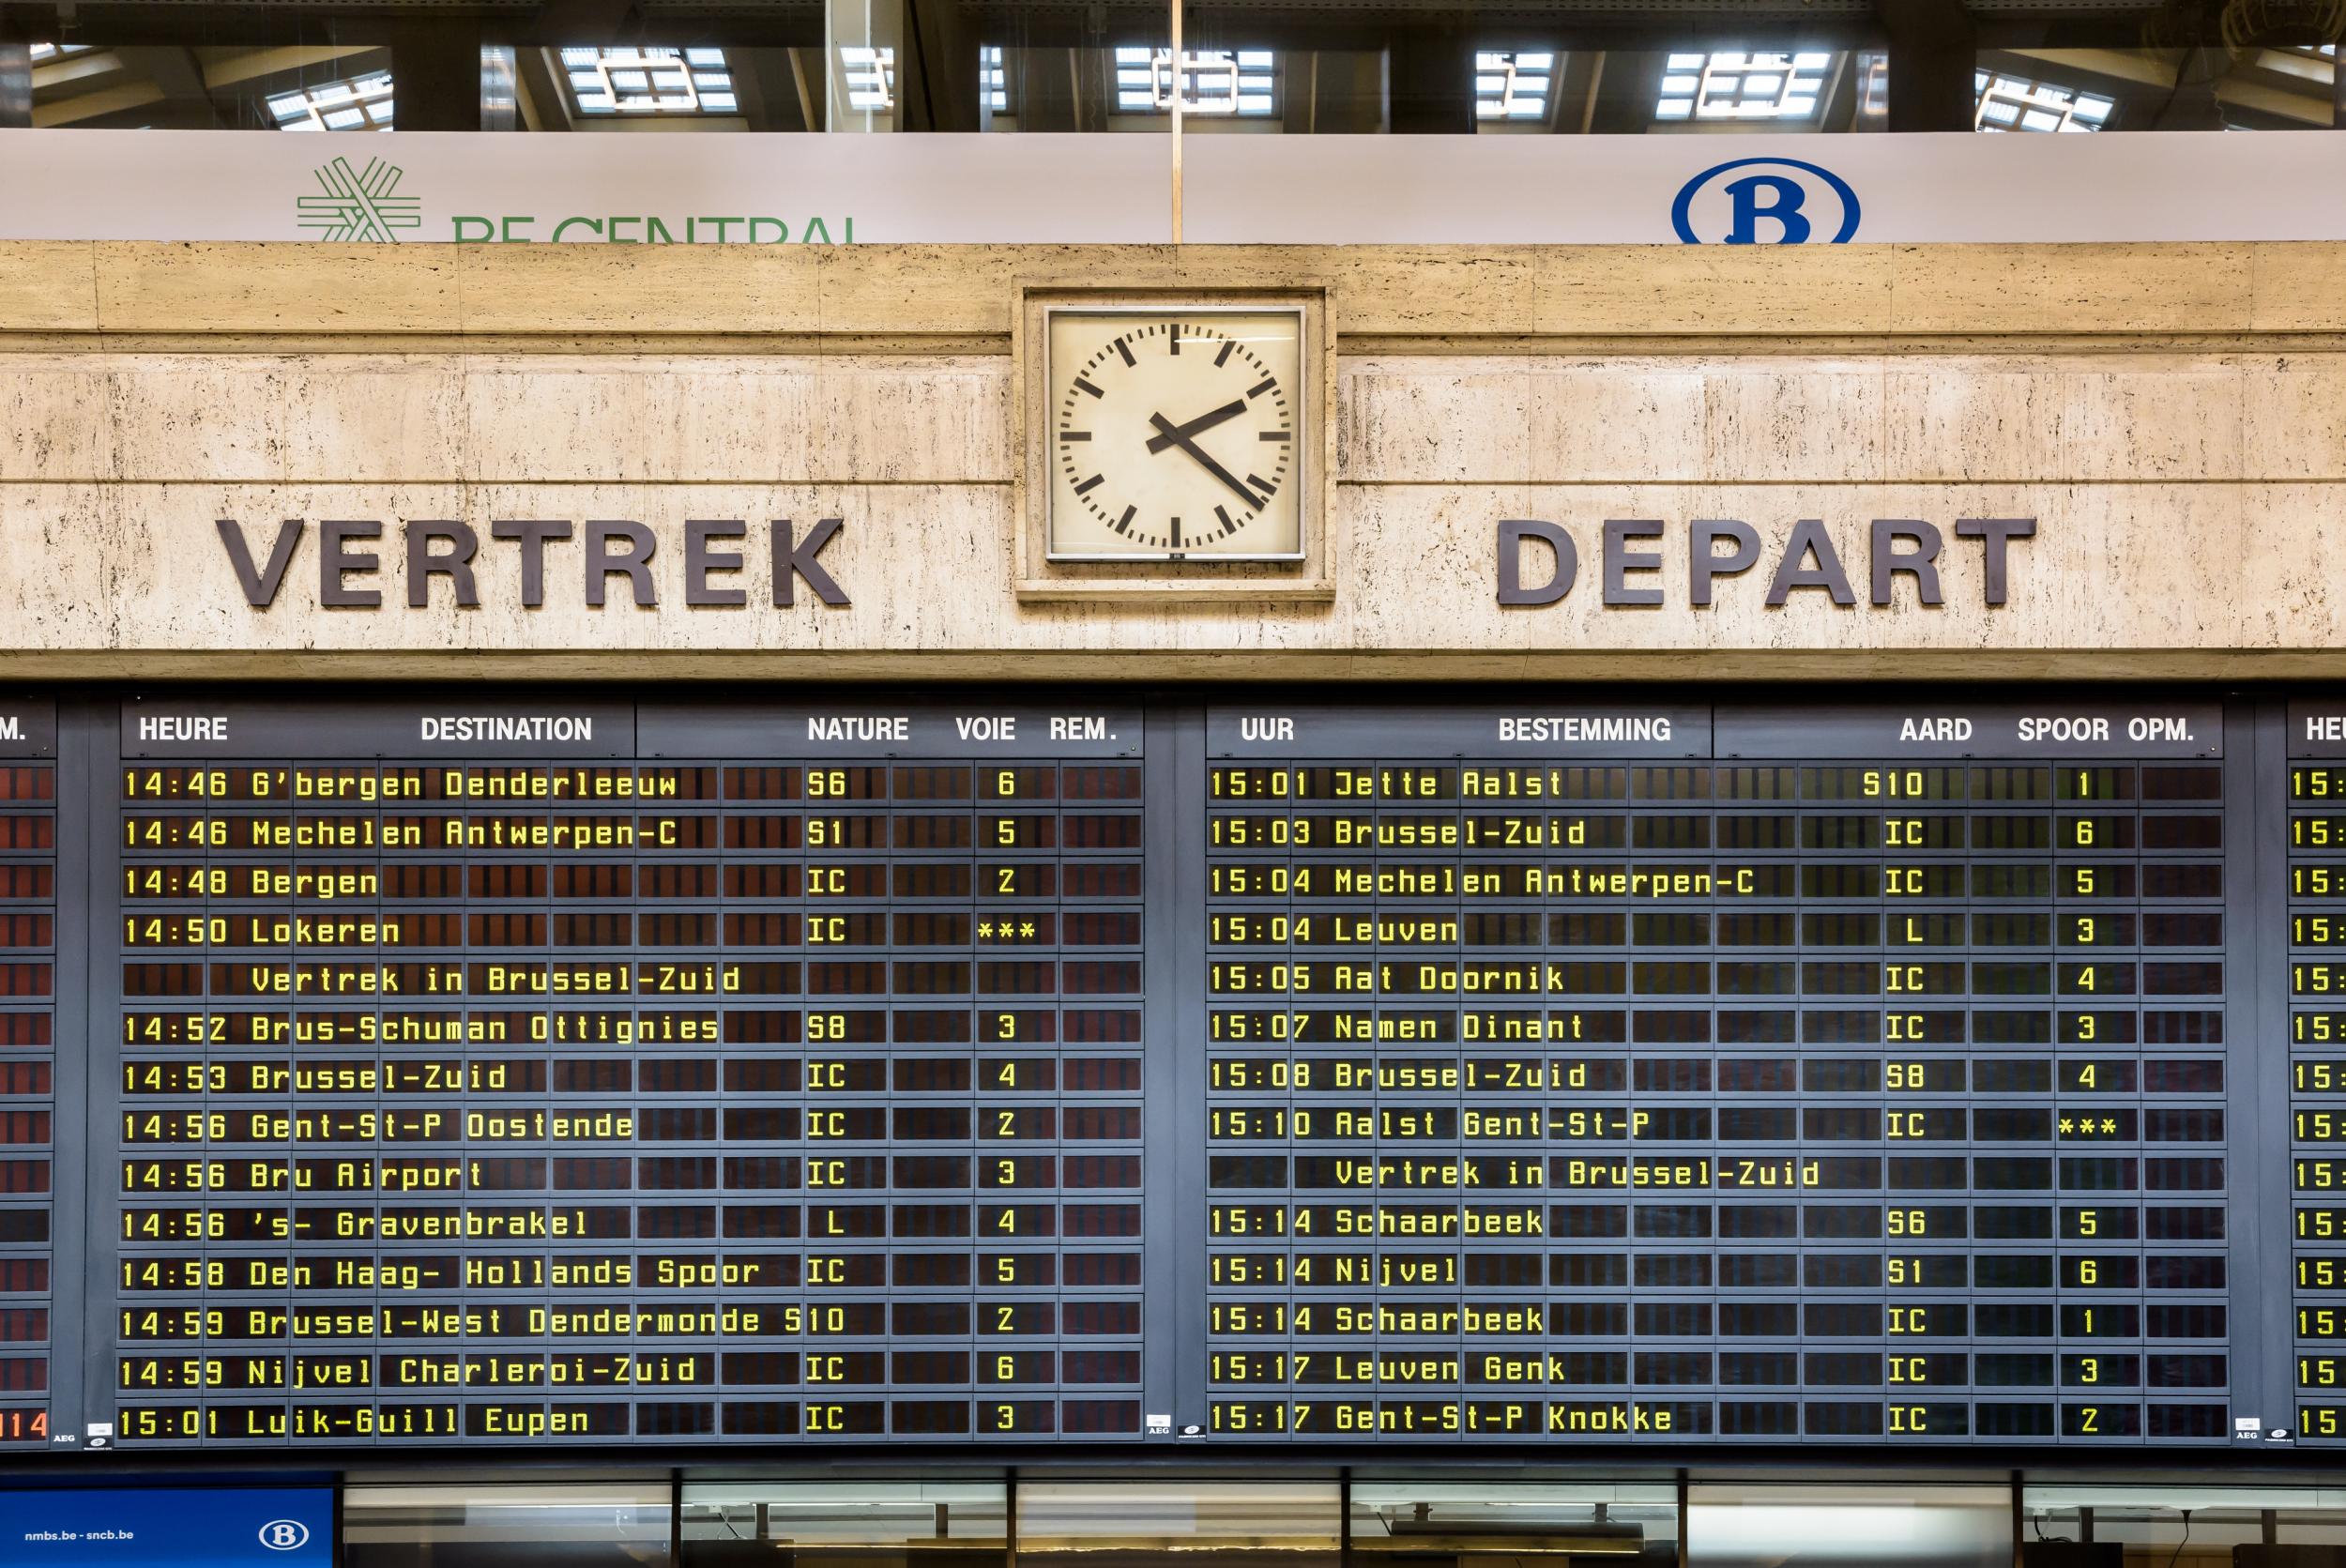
(1379, 1521)
(1848, 1526)
(845, 1523)
(1151, 1524)
(546, 1524)
(2183, 1527)
(1399, 1524)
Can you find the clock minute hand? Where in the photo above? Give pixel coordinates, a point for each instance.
(1194, 450)
(1174, 435)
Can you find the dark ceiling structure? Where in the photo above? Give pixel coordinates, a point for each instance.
(1308, 66)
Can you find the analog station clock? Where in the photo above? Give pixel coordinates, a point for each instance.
(1175, 433)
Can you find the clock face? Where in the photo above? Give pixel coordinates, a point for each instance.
(1175, 435)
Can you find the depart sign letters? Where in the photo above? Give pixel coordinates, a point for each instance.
(1632, 567)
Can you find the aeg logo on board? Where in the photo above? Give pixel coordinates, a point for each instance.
(365, 204)
(1765, 201)
(359, 204)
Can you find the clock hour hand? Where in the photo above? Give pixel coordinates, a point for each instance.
(1169, 433)
(1174, 435)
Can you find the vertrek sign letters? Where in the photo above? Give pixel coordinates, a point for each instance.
(354, 557)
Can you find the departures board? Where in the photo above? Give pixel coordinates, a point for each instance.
(573, 1068)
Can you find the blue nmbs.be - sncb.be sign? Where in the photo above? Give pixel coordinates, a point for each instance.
(1765, 201)
(132, 1526)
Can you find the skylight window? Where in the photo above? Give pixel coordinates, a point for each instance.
(993, 81)
(1735, 84)
(1873, 86)
(57, 50)
(870, 72)
(2016, 103)
(1513, 85)
(650, 81)
(355, 103)
(1241, 82)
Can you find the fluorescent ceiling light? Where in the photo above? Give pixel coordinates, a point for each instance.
(352, 104)
(2008, 102)
(870, 73)
(992, 79)
(1784, 85)
(1513, 84)
(650, 80)
(1241, 82)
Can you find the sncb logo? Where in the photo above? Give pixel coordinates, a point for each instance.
(284, 1535)
(1768, 201)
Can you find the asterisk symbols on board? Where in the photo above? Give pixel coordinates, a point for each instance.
(2088, 1126)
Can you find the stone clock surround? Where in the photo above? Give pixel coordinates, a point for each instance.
(2175, 415)
(1309, 576)
(1228, 383)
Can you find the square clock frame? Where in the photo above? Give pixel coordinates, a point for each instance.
(1175, 444)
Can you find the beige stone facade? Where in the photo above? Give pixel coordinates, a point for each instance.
(2172, 417)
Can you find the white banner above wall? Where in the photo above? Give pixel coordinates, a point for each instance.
(407, 187)
(412, 187)
(1765, 189)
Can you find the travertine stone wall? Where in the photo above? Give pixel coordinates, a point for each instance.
(2174, 417)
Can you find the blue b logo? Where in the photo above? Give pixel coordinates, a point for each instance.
(1780, 200)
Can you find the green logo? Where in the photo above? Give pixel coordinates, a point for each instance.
(359, 205)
